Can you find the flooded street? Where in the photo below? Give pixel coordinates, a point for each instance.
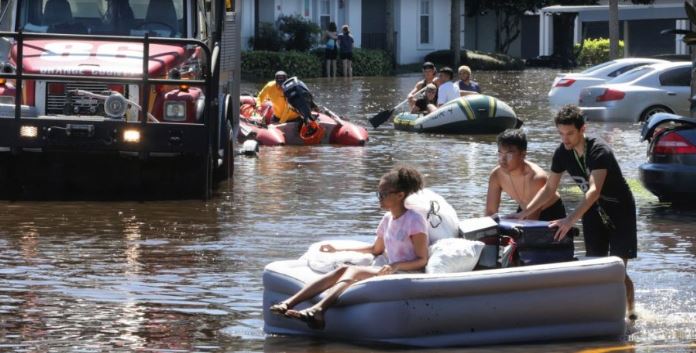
(185, 276)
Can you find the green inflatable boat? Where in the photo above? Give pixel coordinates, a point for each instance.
(474, 114)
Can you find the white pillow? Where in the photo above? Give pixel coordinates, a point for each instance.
(440, 215)
(453, 255)
(324, 262)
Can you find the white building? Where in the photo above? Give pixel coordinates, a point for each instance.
(423, 26)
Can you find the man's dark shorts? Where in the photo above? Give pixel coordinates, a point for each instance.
(617, 238)
(347, 56)
(551, 213)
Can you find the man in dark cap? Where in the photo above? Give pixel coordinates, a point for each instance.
(273, 91)
(429, 76)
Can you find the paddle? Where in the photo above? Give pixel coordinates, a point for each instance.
(383, 116)
(332, 115)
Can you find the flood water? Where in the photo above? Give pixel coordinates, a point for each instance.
(184, 276)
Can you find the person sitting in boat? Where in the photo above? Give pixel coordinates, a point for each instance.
(401, 236)
(273, 92)
(465, 84)
(447, 91)
(429, 76)
(426, 103)
(519, 178)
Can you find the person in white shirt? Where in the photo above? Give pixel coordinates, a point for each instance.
(447, 90)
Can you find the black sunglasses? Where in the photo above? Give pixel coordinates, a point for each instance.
(382, 194)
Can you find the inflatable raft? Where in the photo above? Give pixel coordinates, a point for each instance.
(473, 114)
(336, 131)
(323, 127)
(560, 301)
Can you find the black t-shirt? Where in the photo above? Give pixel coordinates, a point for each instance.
(598, 155)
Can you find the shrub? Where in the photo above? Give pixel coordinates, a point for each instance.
(262, 65)
(366, 62)
(595, 51)
(268, 38)
(477, 60)
(299, 33)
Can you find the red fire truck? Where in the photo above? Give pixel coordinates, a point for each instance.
(126, 98)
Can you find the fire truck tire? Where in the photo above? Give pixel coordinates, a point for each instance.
(224, 171)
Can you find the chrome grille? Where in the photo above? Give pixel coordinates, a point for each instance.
(55, 104)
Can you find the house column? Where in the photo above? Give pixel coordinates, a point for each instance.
(545, 33)
(577, 30)
(679, 46)
(626, 39)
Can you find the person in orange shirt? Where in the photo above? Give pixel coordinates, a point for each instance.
(273, 91)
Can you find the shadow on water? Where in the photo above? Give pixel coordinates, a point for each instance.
(186, 275)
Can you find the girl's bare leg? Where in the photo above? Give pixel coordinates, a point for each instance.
(323, 283)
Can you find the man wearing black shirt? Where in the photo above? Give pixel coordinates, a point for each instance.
(608, 210)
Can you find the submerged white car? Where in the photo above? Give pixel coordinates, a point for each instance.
(640, 93)
(566, 87)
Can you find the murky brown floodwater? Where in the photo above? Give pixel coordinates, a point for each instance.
(186, 276)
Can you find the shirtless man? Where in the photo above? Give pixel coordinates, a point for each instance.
(519, 178)
(429, 76)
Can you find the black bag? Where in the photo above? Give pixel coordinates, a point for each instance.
(535, 243)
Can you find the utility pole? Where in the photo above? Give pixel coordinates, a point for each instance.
(613, 29)
(456, 29)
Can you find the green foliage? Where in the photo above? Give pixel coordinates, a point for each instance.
(595, 51)
(370, 62)
(269, 38)
(477, 60)
(262, 65)
(300, 33)
(366, 62)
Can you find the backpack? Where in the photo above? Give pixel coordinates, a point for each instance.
(331, 44)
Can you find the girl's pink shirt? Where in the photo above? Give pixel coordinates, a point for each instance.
(397, 233)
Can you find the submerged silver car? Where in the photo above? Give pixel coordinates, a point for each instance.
(638, 94)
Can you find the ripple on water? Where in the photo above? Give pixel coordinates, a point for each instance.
(185, 276)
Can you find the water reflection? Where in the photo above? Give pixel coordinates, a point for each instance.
(186, 275)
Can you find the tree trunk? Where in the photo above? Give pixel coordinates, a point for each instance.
(389, 29)
(614, 29)
(455, 38)
(693, 68)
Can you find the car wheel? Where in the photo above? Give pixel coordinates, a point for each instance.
(652, 110)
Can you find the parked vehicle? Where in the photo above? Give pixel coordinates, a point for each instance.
(99, 95)
(638, 94)
(566, 87)
(670, 172)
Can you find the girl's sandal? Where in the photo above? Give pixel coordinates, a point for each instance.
(314, 318)
(279, 308)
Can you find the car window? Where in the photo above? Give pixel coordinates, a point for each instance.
(632, 75)
(597, 67)
(680, 76)
(625, 69)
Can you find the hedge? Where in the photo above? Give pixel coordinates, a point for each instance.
(262, 65)
(595, 51)
(477, 60)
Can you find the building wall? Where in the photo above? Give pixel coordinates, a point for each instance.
(266, 11)
(247, 24)
(352, 10)
(407, 24)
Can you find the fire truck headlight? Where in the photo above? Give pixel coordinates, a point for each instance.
(131, 136)
(175, 110)
(28, 131)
